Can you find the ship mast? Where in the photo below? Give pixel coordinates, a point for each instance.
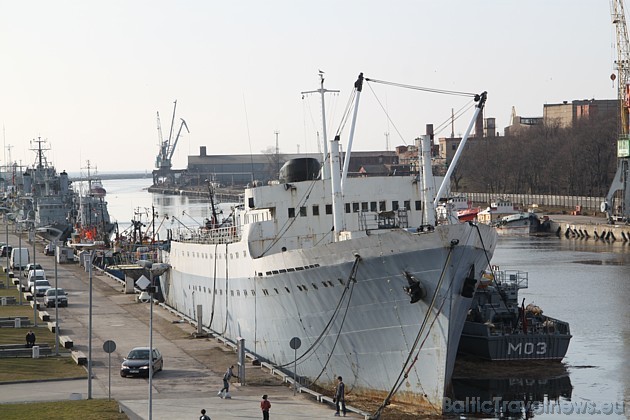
(322, 91)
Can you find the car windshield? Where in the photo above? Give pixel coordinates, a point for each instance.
(42, 283)
(138, 355)
(51, 292)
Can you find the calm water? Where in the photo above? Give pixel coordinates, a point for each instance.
(585, 283)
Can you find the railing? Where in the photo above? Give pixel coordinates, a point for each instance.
(568, 201)
(224, 235)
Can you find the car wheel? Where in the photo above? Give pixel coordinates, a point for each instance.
(123, 374)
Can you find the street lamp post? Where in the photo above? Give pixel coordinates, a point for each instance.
(56, 301)
(155, 270)
(89, 397)
(34, 279)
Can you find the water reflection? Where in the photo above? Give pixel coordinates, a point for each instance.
(507, 389)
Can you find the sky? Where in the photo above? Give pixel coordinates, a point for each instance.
(89, 77)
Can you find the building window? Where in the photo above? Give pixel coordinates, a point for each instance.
(373, 206)
(364, 206)
(395, 205)
(315, 210)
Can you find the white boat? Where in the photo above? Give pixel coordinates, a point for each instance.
(356, 268)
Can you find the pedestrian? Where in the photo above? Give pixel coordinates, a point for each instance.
(30, 338)
(226, 382)
(203, 415)
(265, 405)
(340, 397)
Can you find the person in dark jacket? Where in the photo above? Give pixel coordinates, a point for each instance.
(340, 396)
(30, 338)
(203, 415)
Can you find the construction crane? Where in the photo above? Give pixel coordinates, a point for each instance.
(621, 211)
(163, 162)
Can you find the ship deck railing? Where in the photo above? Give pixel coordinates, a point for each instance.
(516, 278)
(222, 235)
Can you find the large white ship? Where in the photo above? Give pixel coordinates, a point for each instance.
(356, 268)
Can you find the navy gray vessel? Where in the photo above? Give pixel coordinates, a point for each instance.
(498, 328)
(356, 267)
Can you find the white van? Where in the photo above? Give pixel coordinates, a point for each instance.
(20, 258)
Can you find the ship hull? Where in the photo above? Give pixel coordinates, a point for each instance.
(347, 303)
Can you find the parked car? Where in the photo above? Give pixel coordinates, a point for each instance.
(5, 251)
(137, 362)
(49, 249)
(30, 267)
(34, 275)
(52, 293)
(39, 287)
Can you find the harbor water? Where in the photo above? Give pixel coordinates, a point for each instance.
(583, 282)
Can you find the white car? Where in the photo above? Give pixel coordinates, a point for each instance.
(30, 267)
(39, 288)
(34, 275)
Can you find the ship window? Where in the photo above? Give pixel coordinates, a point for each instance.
(299, 287)
(330, 283)
(259, 274)
(304, 287)
(244, 254)
(341, 281)
(418, 205)
(395, 205)
(382, 206)
(265, 292)
(291, 212)
(204, 289)
(325, 284)
(303, 211)
(231, 256)
(287, 289)
(299, 268)
(315, 210)
(211, 256)
(236, 254)
(355, 207)
(282, 270)
(274, 271)
(364, 206)
(188, 254)
(328, 208)
(231, 292)
(267, 273)
(314, 286)
(407, 205)
(373, 206)
(253, 292)
(290, 269)
(347, 207)
(238, 293)
(221, 292)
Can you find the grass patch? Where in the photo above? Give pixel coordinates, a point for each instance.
(28, 369)
(17, 310)
(18, 335)
(80, 409)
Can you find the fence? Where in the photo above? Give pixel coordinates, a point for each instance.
(568, 201)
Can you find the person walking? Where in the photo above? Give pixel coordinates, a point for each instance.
(226, 382)
(340, 396)
(203, 415)
(265, 405)
(30, 338)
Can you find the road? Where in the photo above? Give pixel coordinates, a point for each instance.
(192, 366)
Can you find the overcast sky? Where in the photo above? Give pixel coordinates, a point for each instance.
(89, 76)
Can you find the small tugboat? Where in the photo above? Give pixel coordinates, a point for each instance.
(497, 328)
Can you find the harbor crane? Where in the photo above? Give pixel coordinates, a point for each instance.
(621, 210)
(163, 162)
